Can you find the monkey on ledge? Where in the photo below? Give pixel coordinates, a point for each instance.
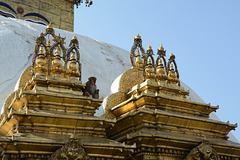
(91, 88)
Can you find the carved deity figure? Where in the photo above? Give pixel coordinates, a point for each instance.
(72, 150)
(91, 88)
(203, 152)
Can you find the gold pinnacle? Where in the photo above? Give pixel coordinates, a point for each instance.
(72, 56)
(161, 48)
(149, 47)
(171, 54)
(138, 36)
(160, 61)
(49, 25)
(58, 52)
(74, 37)
(41, 50)
(48, 43)
(138, 53)
(149, 61)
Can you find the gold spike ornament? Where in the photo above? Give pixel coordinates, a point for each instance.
(161, 72)
(149, 71)
(172, 76)
(57, 68)
(40, 67)
(139, 61)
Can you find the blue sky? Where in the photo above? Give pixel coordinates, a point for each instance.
(203, 35)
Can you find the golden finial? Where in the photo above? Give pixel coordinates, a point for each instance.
(40, 67)
(138, 53)
(160, 61)
(138, 36)
(172, 76)
(171, 54)
(149, 71)
(48, 43)
(74, 37)
(149, 61)
(161, 73)
(73, 68)
(161, 48)
(171, 66)
(138, 62)
(49, 25)
(72, 56)
(41, 50)
(58, 52)
(57, 68)
(149, 47)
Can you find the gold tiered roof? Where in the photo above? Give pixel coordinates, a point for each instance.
(152, 110)
(53, 104)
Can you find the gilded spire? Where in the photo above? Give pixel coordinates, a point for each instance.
(149, 71)
(58, 52)
(57, 64)
(161, 72)
(138, 36)
(72, 56)
(40, 68)
(40, 51)
(74, 37)
(139, 61)
(172, 75)
(48, 43)
(49, 25)
(73, 68)
(161, 48)
(149, 47)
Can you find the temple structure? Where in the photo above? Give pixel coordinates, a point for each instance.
(51, 115)
(152, 111)
(59, 12)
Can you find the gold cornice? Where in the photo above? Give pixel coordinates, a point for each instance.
(181, 138)
(47, 146)
(170, 121)
(179, 105)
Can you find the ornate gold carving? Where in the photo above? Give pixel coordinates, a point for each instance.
(149, 71)
(137, 44)
(161, 72)
(73, 67)
(161, 55)
(41, 64)
(203, 152)
(139, 61)
(130, 78)
(113, 100)
(50, 64)
(72, 150)
(172, 76)
(150, 68)
(169, 66)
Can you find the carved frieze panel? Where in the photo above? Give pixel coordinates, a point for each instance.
(72, 150)
(203, 152)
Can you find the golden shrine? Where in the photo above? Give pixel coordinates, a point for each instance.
(51, 115)
(152, 111)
